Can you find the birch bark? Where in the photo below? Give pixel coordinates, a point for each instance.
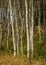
(31, 28)
(11, 19)
(26, 6)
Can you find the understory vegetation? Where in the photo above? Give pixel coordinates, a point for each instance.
(22, 32)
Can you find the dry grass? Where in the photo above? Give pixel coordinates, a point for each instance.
(11, 60)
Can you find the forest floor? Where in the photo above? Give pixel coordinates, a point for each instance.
(6, 59)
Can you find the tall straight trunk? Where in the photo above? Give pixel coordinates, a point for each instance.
(21, 27)
(39, 23)
(11, 19)
(8, 28)
(26, 6)
(17, 37)
(8, 36)
(17, 30)
(21, 33)
(22, 36)
(31, 28)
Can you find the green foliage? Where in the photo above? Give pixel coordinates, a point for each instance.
(39, 48)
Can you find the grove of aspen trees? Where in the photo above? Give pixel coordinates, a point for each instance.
(23, 30)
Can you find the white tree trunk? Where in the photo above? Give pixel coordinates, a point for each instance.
(22, 36)
(31, 29)
(8, 27)
(8, 36)
(11, 17)
(26, 6)
(17, 35)
(31, 23)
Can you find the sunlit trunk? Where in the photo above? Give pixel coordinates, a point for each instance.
(26, 6)
(7, 35)
(22, 36)
(11, 19)
(8, 27)
(31, 28)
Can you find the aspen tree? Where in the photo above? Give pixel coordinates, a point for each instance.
(11, 20)
(21, 35)
(18, 4)
(31, 28)
(16, 21)
(22, 22)
(26, 6)
(8, 27)
(8, 36)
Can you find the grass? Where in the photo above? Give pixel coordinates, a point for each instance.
(6, 59)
